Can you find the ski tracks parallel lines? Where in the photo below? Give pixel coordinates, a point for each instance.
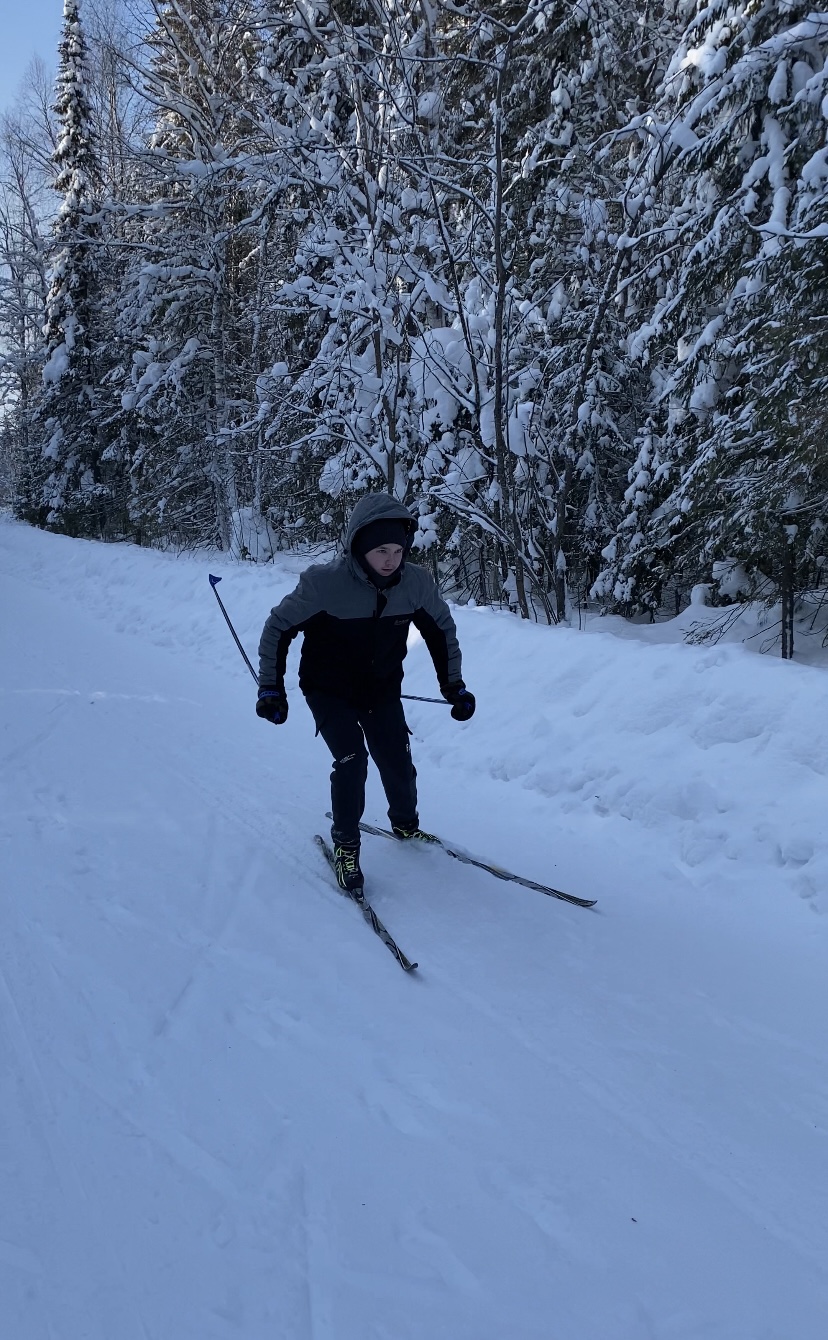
(61, 1157)
(211, 942)
(642, 1129)
(319, 1261)
(57, 713)
(266, 835)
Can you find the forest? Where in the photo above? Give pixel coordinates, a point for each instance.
(554, 274)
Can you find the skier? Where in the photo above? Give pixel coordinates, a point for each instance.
(355, 614)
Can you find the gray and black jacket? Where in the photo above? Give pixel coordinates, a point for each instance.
(355, 635)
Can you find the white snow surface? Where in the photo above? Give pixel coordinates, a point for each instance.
(227, 1112)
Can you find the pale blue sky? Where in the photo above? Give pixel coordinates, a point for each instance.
(29, 27)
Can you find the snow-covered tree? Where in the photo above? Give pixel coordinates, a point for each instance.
(352, 92)
(185, 326)
(74, 488)
(551, 271)
(730, 473)
(25, 179)
(533, 215)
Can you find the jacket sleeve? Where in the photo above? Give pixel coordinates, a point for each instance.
(283, 623)
(434, 621)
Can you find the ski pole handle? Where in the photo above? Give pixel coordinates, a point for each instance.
(214, 581)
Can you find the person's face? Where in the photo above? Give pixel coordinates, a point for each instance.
(385, 559)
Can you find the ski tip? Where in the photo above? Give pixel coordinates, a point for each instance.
(214, 581)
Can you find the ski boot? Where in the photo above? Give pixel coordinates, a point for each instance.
(412, 832)
(346, 866)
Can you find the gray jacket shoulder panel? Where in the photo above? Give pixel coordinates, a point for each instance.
(286, 619)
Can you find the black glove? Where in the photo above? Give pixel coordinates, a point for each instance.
(462, 701)
(272, 703)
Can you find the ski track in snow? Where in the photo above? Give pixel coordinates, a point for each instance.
(228, 1113)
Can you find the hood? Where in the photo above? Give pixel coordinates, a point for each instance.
(371, 508)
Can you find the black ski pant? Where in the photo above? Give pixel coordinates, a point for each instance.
(347, 730)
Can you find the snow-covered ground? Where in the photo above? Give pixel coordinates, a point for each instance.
(226, 1112)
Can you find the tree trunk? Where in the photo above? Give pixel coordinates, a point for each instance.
(788, 602)
(508, 502)
(224, 473)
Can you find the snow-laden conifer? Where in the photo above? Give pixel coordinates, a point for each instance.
(25, 206)
(360, 105)
(74, 489)
(730, 472)
(187, 318)
(535, 214)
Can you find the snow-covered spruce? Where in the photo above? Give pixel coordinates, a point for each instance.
(554, 279)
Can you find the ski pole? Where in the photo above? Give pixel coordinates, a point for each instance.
(214, 581)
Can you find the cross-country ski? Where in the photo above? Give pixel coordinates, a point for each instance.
(358, 896)
(467, 859)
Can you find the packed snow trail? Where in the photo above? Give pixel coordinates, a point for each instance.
(227, 1113)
